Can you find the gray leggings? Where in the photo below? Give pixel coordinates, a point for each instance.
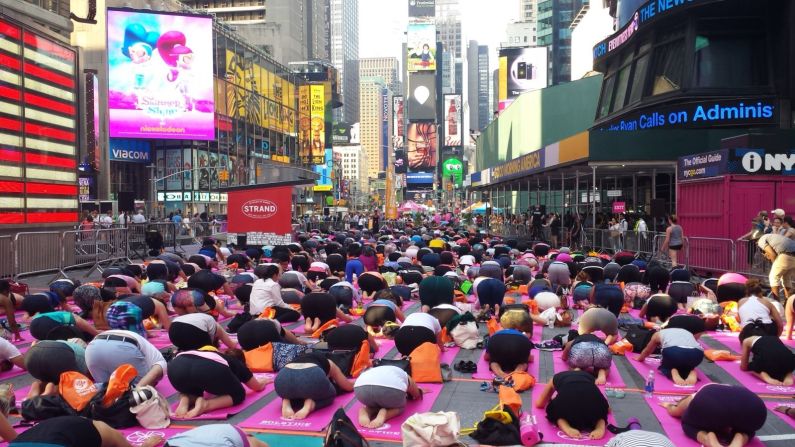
(376, 396)
(298, 385)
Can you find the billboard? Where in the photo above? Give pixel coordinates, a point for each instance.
(386, 117)
(317, 110)
(521, 70)
(325, 170)
(401, 162)
(452, 120)
(133, 151)
(422, 8)
(398, 122)
(421, 47)
(422, 97)
(422, 146)
(453, 168)
(160, 75)
(341, 134)
(262, 213)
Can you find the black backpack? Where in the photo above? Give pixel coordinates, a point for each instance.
(342, 433)
(40, 408)
(639, 337)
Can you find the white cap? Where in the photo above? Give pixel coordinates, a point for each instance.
(778, 212)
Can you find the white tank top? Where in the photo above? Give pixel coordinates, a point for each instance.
(753, 310)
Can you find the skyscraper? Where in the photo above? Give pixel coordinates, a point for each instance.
(448, 28)
(288, 30)
(345, 56)
(370, 122)
(554, 31)
(527, 10)
(479, 86)
(385, 68)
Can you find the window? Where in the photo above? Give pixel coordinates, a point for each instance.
(730, 53)
(669, 63)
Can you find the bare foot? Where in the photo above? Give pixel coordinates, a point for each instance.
(364, 418)
(677, 378)
(198, 409)
(708, 439)
(183, 407)
(571, 432)
(378, 420)
(739, 440)
(287, 409)
(304, 412)
(692, 378)
(601, 379)
(598, 433)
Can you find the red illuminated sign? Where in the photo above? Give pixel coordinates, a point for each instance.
(260, 209)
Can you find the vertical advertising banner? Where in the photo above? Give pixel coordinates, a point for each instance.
(304, 125)
(398, 123)
(390, 205)
(421, 47)
(423, 146)
(452, 120)
(160, 81)
(173, 166)
(325, 182)
(522, 70)
(422, 97)
(386, 116)
(317, 101)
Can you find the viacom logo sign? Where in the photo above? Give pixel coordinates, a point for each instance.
(259, 209)
(754, 162)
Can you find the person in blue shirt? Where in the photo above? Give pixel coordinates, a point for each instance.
(354, 265)
(509, 349)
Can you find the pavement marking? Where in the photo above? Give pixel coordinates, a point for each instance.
(776, 437)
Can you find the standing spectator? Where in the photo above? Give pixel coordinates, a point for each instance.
(139, 217)
(106, 221)
(779, 250)
(554, 226)
(576, 231)
(787, 227)
(615, 234)
(674, 240)
(123, 219)
(623, 226)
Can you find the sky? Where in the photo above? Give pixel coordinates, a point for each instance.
(382, 24)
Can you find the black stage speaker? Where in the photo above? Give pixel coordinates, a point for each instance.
(658, 208)
(126, 201)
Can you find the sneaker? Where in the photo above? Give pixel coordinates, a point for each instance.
(549, 345)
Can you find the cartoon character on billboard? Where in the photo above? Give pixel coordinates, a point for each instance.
(172, 48)
(138, 46)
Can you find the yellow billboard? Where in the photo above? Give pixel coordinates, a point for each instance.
(317, 101)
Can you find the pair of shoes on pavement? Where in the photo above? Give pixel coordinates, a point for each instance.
(466, 366)
(549, 345)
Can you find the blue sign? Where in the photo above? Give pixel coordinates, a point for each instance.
(413, 178)
(700, 114)
(711, 164)
(132, 151)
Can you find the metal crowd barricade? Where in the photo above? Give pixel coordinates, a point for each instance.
(6, 261)
(749, 260)
(37, 252)
(709, 254)
(112, 249)
(78, 249)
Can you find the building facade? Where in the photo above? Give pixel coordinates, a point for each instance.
(353, 161)
(344, 30)
(371, 92)
(528, 10)
(520, 34)
(479, 86)
(554, 32)
(448, 29)
(385, 68)
(40, 127)
(258, 127)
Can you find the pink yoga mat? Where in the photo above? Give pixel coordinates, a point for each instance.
(663, 384)
(384, 346)
(753, 383)
(554, 435)
(13, 372)
(673, 426)
(270, 417)
(226, 413)
(614, 379)
(159, 338)
(771, 405)
(391, 430)
(166, 388)
(136, 436)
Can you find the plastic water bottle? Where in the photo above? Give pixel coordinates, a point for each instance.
(649, 388)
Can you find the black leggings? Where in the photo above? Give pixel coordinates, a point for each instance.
(66, 431)
(256, 333)
(322, 306)
(285, 315)
(445, 315)
(660, 306)
(509, 350)
(409, 338)
(47, 360)
(724, 410)
(378, 315)
(193, 375)
(187, 337)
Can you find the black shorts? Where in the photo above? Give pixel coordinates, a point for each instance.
(773, 357)
(256, 333)
(724, 410)
(675, 247)
(65, 431)
(347, 337)
(509, 350)
(319, 305)
(187, 337)
(47, 360)
(409, 338)
(195, 375)
(444, 315)
(378, 315)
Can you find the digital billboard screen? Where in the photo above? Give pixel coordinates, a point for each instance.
(398, 122)
(521, 70)
(422, 142)
(452, 120)
(422, 97)
(160, 81)
(421, 47)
